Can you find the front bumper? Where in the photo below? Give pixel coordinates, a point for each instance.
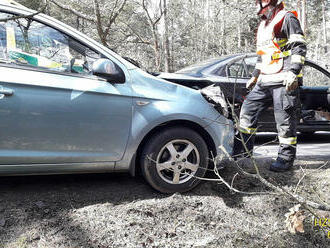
(222, 132)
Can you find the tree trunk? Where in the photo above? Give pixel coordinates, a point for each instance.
(168, 67)
(304, 16)
(223, 31)
(325, 40)
(195, 34)
(239, 31)
(207, 33)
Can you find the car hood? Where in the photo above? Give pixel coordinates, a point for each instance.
(146, 86)
(179, 76)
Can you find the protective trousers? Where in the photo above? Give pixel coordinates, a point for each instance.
(286, 105)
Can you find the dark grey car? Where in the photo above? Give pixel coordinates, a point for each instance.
(232, 72)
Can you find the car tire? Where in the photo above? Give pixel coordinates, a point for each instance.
(173, 160)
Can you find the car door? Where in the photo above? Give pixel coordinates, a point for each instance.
(52, 110)
(266, 120)
(315, 99)
(234, 85)
(238, 71)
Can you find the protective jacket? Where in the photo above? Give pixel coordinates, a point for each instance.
(281, 46)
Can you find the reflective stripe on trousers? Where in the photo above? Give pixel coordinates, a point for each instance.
(288, 141)
(285, 111)
(247, 130)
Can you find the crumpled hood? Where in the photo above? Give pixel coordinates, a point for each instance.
(171, 99)
(213, 94)
(148, 86)
(178, 76)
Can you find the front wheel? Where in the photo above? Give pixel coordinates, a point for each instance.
(174, 159)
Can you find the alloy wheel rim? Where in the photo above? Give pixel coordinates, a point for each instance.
(178, 161)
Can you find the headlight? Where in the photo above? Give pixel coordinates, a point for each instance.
(214, 95)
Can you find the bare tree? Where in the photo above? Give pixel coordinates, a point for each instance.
(302, 14)
(324, 22)
(103, 19)
(153, 21)
(168, 64)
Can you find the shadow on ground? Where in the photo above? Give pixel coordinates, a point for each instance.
(49, 206)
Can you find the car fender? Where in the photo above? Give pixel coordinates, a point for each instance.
(139, 131)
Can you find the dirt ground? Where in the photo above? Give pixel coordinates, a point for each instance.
(116, 210)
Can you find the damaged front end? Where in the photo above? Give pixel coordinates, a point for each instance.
(214, 95)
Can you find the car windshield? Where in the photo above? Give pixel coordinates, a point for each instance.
(195, 68)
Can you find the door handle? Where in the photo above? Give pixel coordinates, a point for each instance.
(5, 92)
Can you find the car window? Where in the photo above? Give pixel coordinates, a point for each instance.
(250, 65)
(236, 70)
(196, 68)
(314, 77)
(27, 42)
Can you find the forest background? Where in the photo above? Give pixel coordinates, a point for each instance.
(166, 35)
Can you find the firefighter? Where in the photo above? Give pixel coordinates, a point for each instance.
(281, 49)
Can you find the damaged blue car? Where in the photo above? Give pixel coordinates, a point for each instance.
(71, 105)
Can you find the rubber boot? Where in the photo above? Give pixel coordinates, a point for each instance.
(281, 165)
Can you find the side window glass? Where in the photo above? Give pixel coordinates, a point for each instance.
(314, 77)
(250, 65)
(236, 70)
(27, 42)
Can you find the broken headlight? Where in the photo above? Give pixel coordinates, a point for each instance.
(214, 95)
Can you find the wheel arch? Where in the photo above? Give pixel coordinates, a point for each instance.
(134, 165)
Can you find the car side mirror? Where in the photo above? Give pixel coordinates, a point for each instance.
(108, 70)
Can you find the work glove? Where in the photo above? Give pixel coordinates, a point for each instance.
(290, 81)
(251, 83)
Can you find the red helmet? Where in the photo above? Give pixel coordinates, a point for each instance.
(266, 7)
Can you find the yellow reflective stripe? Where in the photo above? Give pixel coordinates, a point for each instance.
(288, 141)
(277, 56)
(297, 38)
(281, 55)
(258, 66)
(286, 53)
(298, 59)
(301, 74)
(283, 45)
(282, 42)
(247, 130)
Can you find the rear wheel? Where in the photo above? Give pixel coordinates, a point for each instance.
(174, 159)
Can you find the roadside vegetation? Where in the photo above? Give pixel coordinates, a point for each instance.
(167, 35)
(244, 205)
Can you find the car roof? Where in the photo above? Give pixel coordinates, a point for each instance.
(200, 67)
